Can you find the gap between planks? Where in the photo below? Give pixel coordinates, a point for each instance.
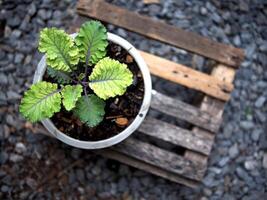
(212, 106)
(101, 10)
(147, 167)
(166, 160)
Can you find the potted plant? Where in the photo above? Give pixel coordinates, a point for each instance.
(91, 90)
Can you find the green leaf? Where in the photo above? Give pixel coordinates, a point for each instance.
(41, 101)
(90, 110)
(59, 76)
(110, 78)
(70, 95)
(92, 41)
(61, 53)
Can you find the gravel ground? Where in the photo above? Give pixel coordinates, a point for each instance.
(34, 166)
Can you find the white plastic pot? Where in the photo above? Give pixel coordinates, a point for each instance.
(131, 128)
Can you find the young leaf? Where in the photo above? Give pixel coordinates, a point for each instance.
(92, 42)
(59, 76)
(70, 95)
(41, 101)
(61, 53)
(90, 110)
(110, 78)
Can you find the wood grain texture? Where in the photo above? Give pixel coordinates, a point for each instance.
(161, 158)
(186, 112)
(212, 106)
(176, 135)
(103, 11)
(147, 167)
(187, 76)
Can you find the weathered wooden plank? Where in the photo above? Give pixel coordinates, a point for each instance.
(175, 135)
(161, 31)
(212, 106)
(181, 110)
(161, 158)
(147, 167)
(187, 76)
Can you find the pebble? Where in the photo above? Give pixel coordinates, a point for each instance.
(233, 151)
(20, 148)
(250, 164)
(260, 101)
(4, 188)
(18, 58)
(15, 158)
(246, 125)
(223, 161)
(255, 136)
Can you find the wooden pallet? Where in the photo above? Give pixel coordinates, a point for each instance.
(189, 167)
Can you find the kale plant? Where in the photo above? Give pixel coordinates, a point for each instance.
(65, 57)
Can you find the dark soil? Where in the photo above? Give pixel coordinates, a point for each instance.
(120, 110)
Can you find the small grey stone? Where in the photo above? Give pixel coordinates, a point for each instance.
(260, 101)
(45, 14)
(233, 151)
(255, 136)
(247, 125)
(31, 182)
(122, 32)
(57, 14)
(250, 164)
(11, 95)
(237, 40)
(216, 18)
(10, 120)
(250, 50)
(3, 79)
(15, 158)
(198, 61)
(263, 46)
(3, 157)
(4, 188)
(223, 161)
(15, 34)
(20, 148)
(154, 9)
(18, 58)
(32, 9)
(203, 11)
(13, 21)
(264, 161)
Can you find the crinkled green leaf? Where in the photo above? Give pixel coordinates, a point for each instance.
(41, 101)
(60, 76)
(90, 110)
(92, 41)
(110, 78)
(61, 53)
(71, 94)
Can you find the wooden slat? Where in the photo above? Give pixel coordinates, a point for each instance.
(161, 31)
(161, 158)
(212, 106)
(186, 112)
(175, 135)
(147, 167)
(187, 76)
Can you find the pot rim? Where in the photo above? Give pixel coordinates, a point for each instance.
(126, 132)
